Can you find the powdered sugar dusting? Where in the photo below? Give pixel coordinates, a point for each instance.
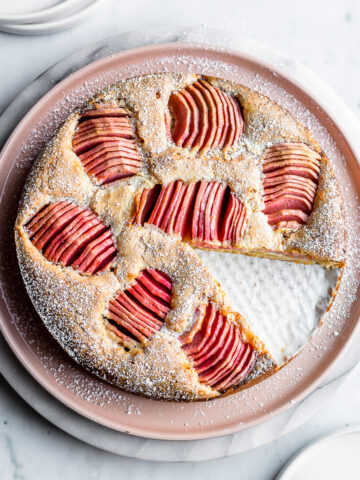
(233, 406)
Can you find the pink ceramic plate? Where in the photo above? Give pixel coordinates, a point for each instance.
(97, 400)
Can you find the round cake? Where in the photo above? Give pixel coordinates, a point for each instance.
(149, 170)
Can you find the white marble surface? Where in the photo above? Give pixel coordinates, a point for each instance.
(32, 448)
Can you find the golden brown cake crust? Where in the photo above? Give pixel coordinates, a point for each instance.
(72, 305)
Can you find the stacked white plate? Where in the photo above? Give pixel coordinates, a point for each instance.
(50, 19)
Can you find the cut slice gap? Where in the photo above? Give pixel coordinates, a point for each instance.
(284, 326)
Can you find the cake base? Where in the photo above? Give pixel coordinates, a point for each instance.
(179, 450)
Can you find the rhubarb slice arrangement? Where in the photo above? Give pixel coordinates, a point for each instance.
(220, 357)
(202, 116)
(207, 214)
(135, 314)
(105, 144)
(291, 172)
(73, 236)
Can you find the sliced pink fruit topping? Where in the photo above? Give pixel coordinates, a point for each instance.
(152, 302)
(202, 116)
(97, 251)
(286, 201)
(181, 112)
(299, 171)
(154, 287)
(231, 132)
(200, 203)
(177, 205)
(116, 173)
(139, 311)
(76, 227)
(105, 144)
(218, 111)
(175, 195)
(146, 204)
(211, 113)
(291, 174)
(123, 144)
(200, 339)
(287, 216)
(124, 338)
(234, 222)
(162, 205)
(185, 210)
(224, 361)
(207, 214)
(161, 277)
(216, 212)
(226, 117)
(219, 355)
(213, 347)
(243, 364)
(51, 224)
(72, 236)
(131, 305)
(194, 120)
(238, 119)
(288, 187)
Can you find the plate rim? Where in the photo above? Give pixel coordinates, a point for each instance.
(39, 378)
(320, 441)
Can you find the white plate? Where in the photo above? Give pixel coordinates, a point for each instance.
(335, 456)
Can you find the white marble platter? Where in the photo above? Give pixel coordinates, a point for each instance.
(135, 446)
